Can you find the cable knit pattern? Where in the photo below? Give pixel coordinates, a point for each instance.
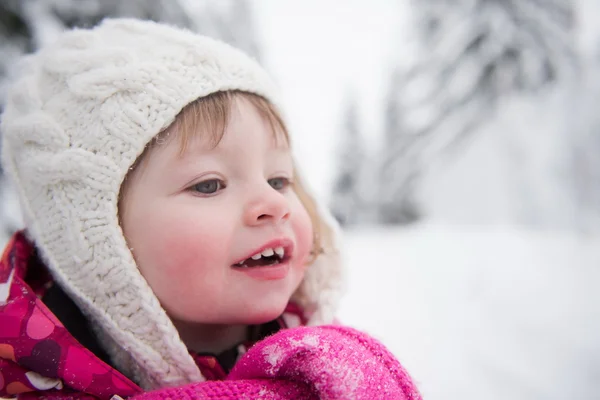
(80, 113)
(327, 363)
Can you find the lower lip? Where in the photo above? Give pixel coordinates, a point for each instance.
(266, 273)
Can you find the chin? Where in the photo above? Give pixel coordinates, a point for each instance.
(264, 311)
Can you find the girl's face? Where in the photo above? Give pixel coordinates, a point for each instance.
(195, 220)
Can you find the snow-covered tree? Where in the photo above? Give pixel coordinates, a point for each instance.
(400, 167)
(477, 52)
(581, 173)
(15, 39)
(473, 57)
(348, 197)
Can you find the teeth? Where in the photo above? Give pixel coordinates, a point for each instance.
(268, 252)
(280, 252)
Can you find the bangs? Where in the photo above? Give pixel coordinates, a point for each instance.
(208, 117)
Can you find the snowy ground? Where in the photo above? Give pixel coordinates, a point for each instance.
(481, 313)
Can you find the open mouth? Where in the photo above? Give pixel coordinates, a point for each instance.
(267, 257)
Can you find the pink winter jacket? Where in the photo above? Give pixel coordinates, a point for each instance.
(41, 359)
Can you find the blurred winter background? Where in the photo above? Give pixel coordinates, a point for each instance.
(457, 142)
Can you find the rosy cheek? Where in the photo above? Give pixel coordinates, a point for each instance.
(162, 250)
(182, 252)
(178, 246)
(189, 248)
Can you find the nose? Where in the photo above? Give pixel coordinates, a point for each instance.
(267, 206)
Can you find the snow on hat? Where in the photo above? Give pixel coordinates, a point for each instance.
(80, 113)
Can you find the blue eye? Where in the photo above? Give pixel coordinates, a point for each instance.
(210, 186)
(279, 183)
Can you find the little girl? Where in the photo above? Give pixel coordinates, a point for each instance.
(169, 241)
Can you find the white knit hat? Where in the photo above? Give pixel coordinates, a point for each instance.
(79, 115)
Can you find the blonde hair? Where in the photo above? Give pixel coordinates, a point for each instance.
(209, 115)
